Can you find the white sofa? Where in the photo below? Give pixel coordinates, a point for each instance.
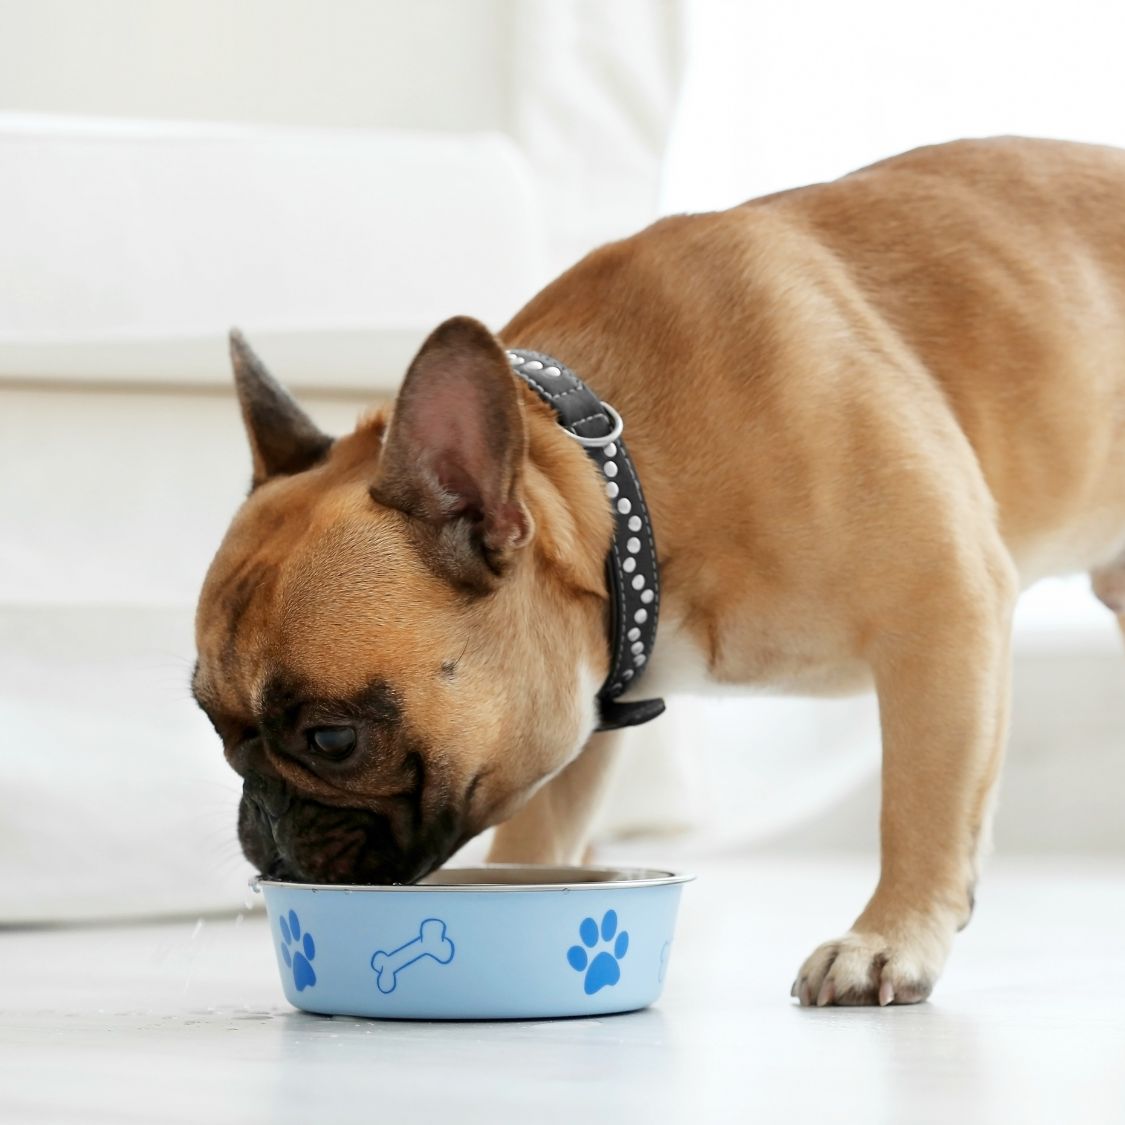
(422, 161)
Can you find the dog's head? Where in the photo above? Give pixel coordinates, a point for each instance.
(402, 633)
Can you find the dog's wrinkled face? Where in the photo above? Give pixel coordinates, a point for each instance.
(390, 667)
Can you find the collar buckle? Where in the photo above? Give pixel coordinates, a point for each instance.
(608, 439)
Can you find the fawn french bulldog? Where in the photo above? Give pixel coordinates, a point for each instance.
(865, 414)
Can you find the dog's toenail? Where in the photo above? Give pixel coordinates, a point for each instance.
(827, 994)
(806, 995)
(886, 994)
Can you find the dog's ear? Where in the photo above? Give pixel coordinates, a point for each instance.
(283, 439)
(454, 452)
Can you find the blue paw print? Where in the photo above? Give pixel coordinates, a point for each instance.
(603, 970)
(299, 960)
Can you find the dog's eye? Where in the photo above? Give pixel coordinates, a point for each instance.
(332, 742)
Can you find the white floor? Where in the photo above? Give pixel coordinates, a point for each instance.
(184, 1022)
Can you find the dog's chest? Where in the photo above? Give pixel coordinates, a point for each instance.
(751, 658)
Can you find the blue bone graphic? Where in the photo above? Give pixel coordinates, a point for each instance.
(430, 942)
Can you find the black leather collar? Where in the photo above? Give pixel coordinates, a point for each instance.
(632, 573)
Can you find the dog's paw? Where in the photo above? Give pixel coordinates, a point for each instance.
(863, 968)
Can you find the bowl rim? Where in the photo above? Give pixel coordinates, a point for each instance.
(627, 878)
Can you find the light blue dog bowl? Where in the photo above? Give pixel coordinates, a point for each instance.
(496, 942)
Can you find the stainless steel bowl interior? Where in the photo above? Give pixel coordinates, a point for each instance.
(524, 875)
(511, 877)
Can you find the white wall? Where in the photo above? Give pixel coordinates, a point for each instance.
(781, 94)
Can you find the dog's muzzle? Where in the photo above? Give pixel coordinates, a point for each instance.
(287, 836)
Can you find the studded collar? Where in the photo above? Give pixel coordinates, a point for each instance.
(632, 573)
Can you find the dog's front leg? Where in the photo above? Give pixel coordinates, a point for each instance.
(553, 827)
(943, 702)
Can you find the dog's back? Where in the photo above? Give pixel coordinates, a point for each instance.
(1000, 265)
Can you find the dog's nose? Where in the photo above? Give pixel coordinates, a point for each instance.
(268, 793)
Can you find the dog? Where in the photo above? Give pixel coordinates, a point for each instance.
(865, 414)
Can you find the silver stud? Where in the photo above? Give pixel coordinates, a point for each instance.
(646, 596)
(624, 506)
(629, 565)
(633, 545)
(611, 450)
(634, 523)
(552, 371)
(634, 634)
(534, 365)
(638, 646)
(610, 469)
(627, 674)
(639, 582)
(639, 659)
(515, 358)
(641, 616)
(611, 490)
